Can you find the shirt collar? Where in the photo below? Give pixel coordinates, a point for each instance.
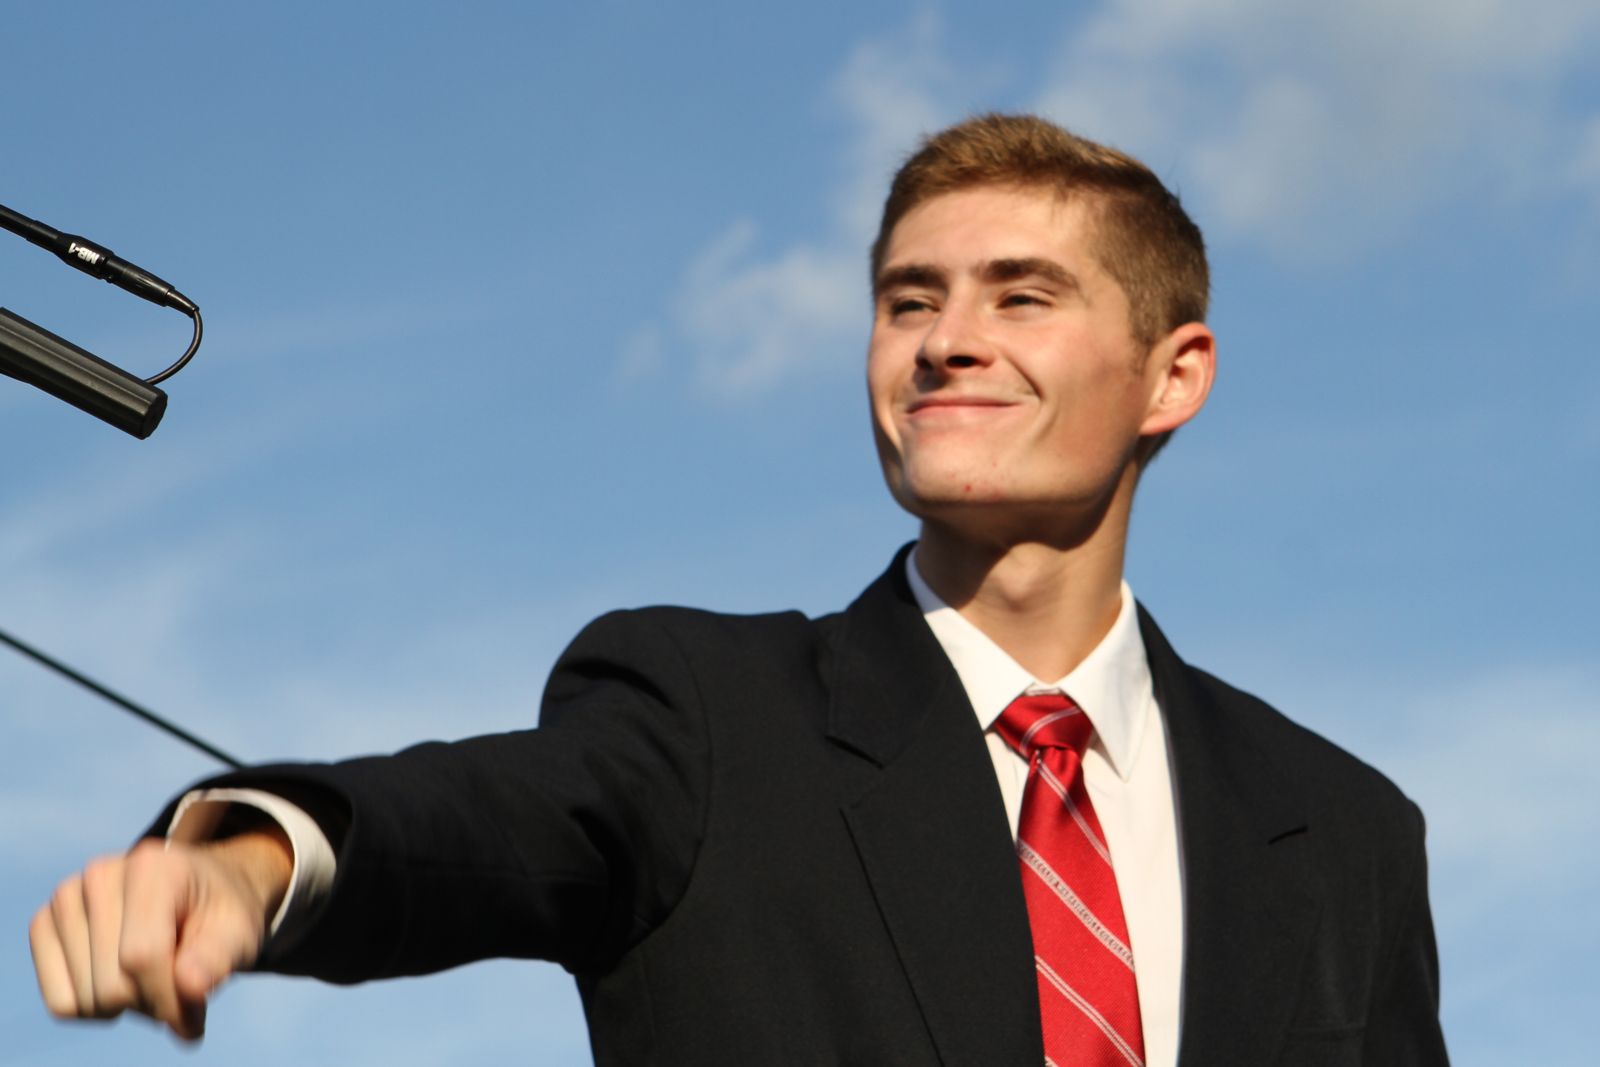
(1112, 685)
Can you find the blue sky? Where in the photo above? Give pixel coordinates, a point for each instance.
(520, 312)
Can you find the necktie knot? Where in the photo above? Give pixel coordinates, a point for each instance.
(1037, 721)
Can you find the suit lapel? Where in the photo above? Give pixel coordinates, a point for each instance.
(1248, 915)
(931, 831)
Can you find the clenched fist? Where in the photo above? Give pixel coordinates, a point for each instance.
(158, 929)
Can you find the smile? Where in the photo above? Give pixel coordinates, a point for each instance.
(956, 404)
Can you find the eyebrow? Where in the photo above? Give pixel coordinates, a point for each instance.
(926, 275)
(909, 275)
(1010, 270)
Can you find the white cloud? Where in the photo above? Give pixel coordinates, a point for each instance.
(891, 90)
(1586, 160)
(753, 322)
(755, 317)
(1502, 764)
(309, 331)
(642, 355)
(1510, 783)
(1308, 125)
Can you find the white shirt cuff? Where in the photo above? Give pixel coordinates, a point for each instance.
(201, 810)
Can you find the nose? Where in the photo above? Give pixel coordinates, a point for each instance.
(955, 340)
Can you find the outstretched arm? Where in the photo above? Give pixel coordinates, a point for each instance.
(158, 929)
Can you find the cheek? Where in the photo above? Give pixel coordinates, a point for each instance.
(879, 363)
(882, 386)
(1096, 436)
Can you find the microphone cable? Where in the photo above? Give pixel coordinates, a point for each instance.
(120, 701)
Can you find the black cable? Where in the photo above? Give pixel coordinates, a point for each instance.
(116, 698)
(194, 346)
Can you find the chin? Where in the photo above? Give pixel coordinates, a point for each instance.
(948, 498)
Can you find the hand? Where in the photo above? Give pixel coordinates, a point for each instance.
(158, 929)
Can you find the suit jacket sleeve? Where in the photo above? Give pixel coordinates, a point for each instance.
(566, 843)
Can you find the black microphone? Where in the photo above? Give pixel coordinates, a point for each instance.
(96, 260)
(30, 353)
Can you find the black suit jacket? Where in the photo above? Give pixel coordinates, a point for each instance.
(776, 840)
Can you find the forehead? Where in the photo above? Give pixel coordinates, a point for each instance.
(967, 226)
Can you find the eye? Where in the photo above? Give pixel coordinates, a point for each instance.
(908, 305)
(1023, 300)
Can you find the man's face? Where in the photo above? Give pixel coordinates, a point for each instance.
(1002, 368)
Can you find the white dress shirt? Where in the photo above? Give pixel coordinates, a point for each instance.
(1125, 771)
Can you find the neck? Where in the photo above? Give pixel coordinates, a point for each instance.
(1046, 600)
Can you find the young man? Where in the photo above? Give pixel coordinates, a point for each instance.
(776, 839)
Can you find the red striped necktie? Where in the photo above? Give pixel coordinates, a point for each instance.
(1088, 1000)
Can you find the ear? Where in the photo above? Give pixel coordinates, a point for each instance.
(1180, 369)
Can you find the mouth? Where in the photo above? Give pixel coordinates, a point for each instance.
(956, 403)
